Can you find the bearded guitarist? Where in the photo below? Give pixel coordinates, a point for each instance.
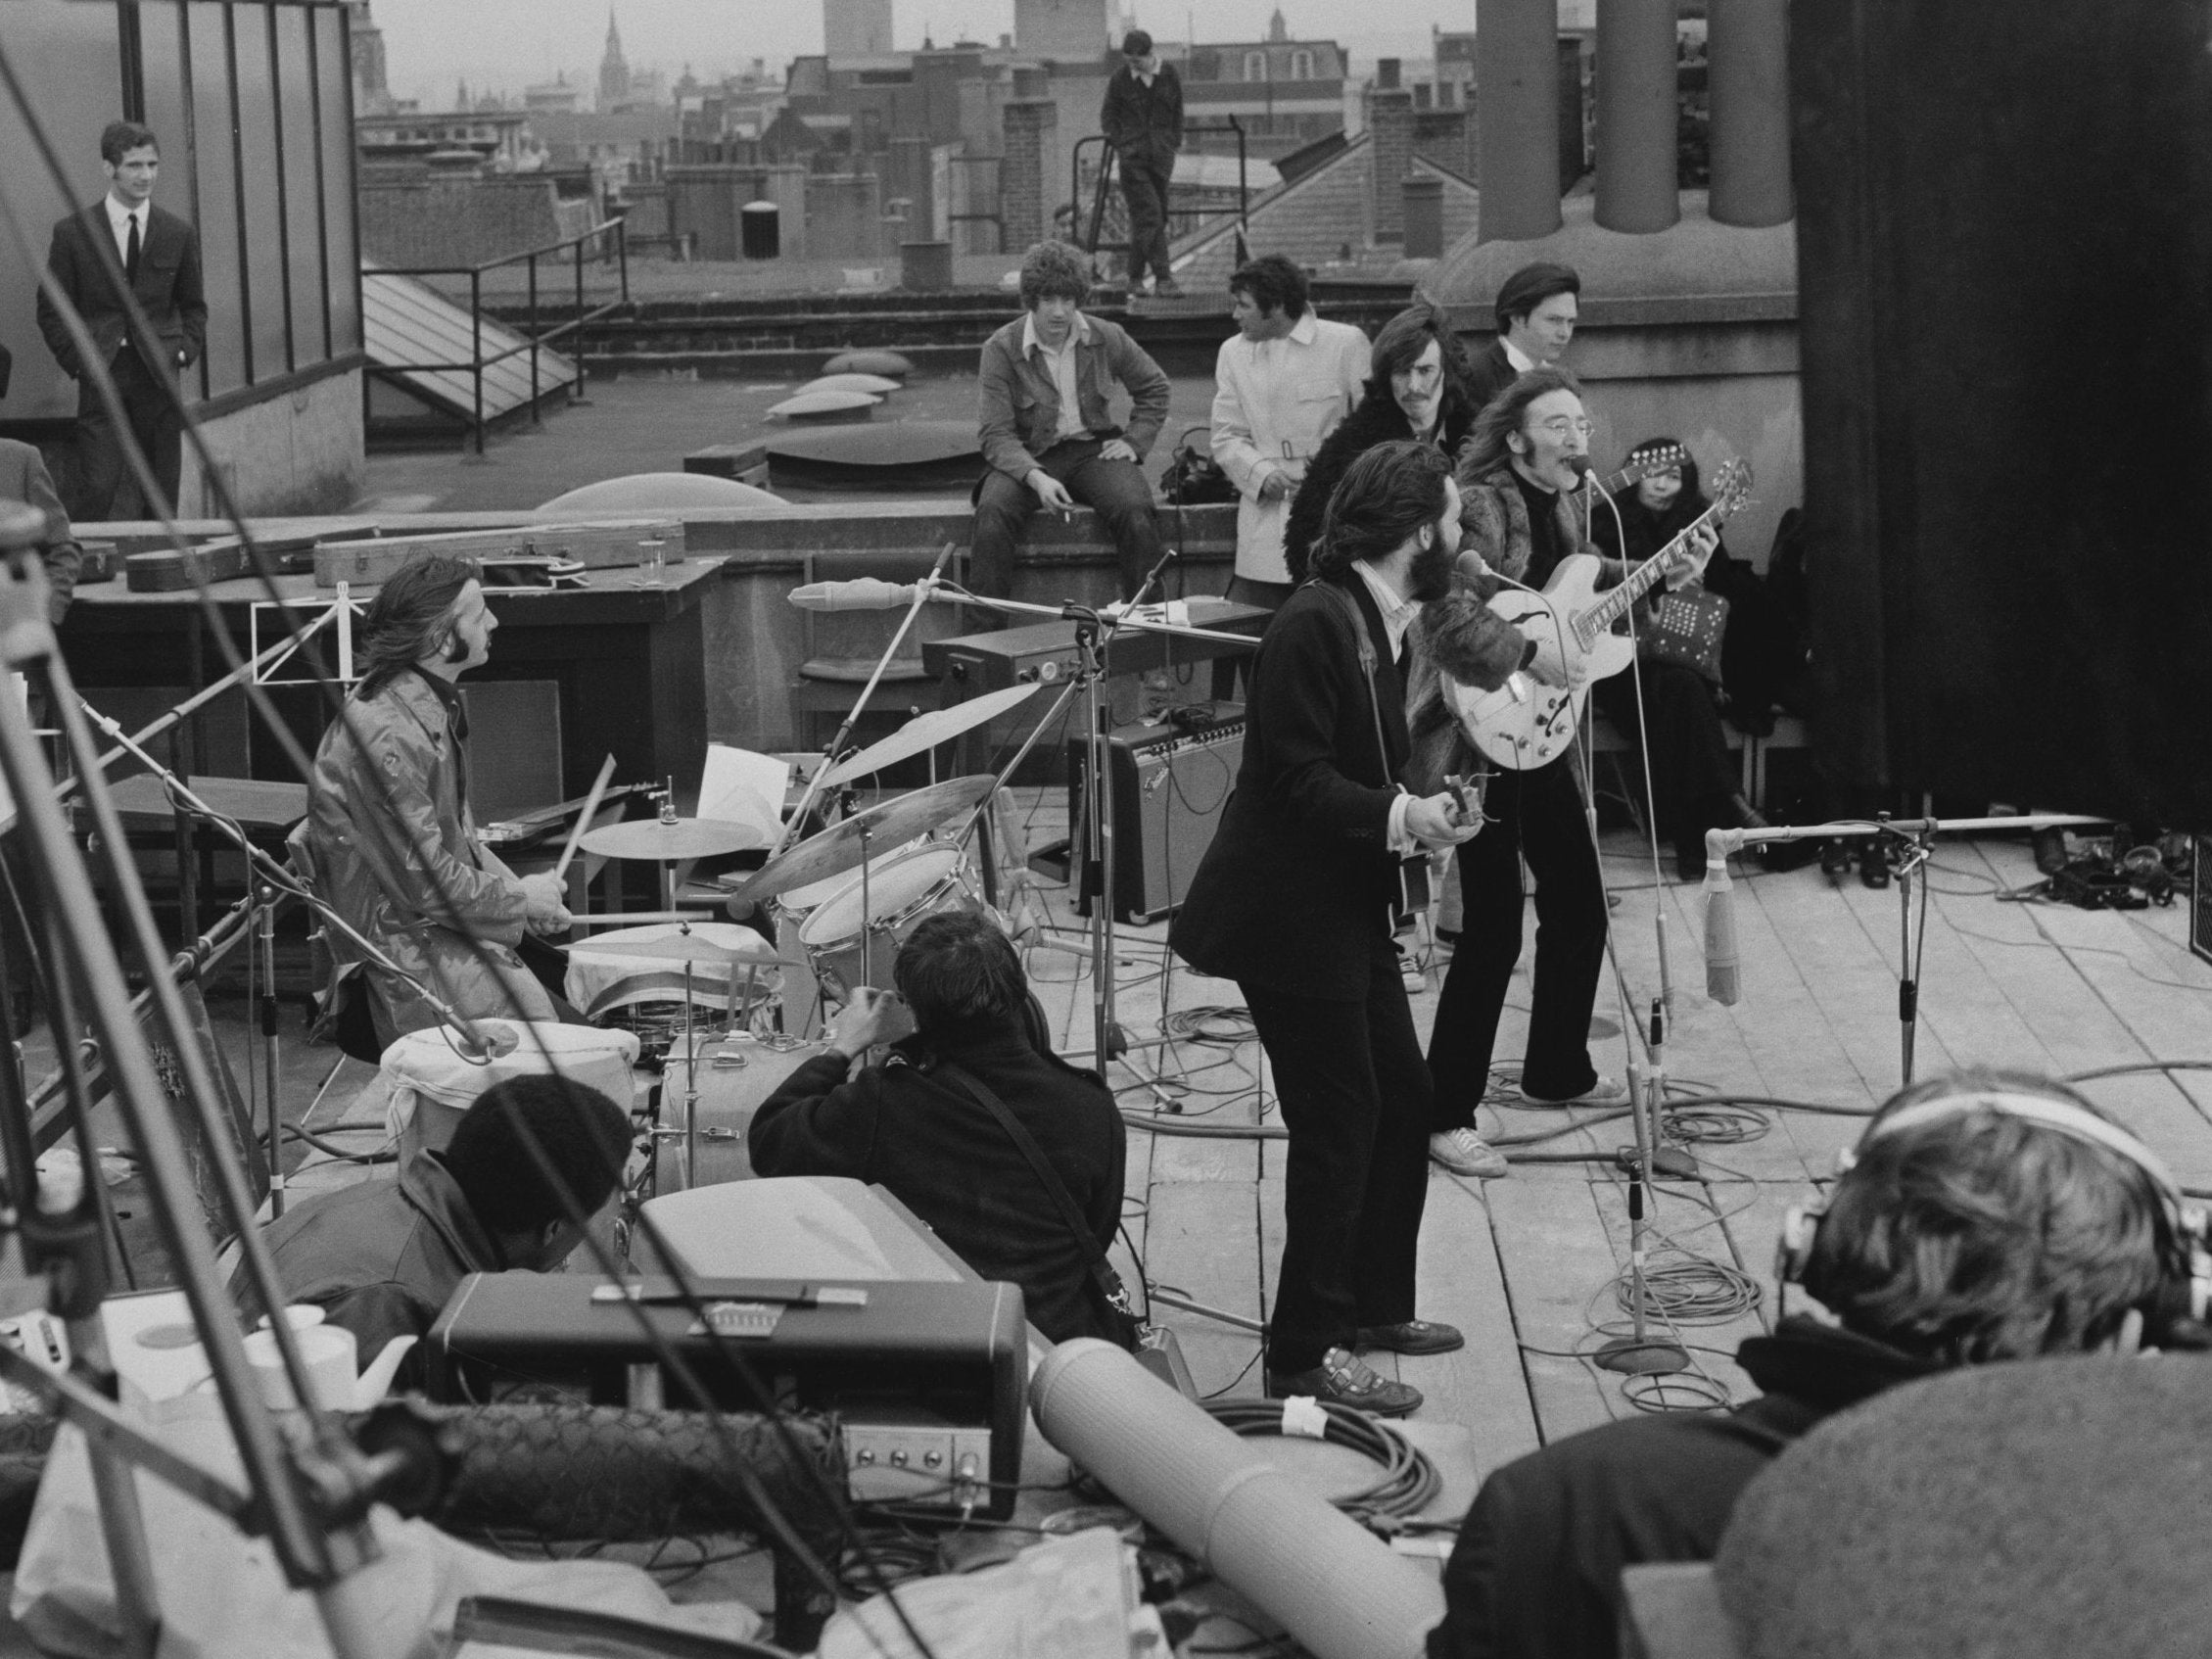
(1522, 464)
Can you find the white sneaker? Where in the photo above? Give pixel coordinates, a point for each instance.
(1465, 1153)
(1605, 1091)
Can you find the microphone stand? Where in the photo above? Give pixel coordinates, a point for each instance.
(924, 591)
(308, 1489)
(1093, 633)
(1916, 837)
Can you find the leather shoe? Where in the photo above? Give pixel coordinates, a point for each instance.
(1412, 1336)
(1343, 1378)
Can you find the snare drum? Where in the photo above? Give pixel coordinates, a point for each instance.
(845, 947)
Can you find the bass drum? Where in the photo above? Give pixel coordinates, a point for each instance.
(847, 945)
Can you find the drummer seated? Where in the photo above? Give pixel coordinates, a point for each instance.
(382, 1257)
(913, 1125)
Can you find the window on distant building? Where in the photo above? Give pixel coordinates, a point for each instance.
(1255, 66)
(1302, 66)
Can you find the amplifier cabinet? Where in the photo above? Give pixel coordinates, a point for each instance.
(2200, 896)
(919, 1368)
(1169, 787)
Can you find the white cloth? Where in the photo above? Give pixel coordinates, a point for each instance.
(1399, 613)
(1520, 360)
(118, 223)
(1274, 402)
(1063, 364)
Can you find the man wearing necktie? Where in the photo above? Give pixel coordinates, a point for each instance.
(156, 256)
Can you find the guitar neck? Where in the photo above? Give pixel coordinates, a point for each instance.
(1642, 580)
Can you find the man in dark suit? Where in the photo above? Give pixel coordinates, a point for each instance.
(158, 255)
(1537, 309)
(23, 478)
(1294, 901)
(1142, 118)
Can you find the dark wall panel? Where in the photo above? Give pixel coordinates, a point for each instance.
(2003, 235)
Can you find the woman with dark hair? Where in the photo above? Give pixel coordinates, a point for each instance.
(1696, 784)
(388, 829)
(1417, 387)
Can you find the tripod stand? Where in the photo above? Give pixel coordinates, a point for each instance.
(310, 1492)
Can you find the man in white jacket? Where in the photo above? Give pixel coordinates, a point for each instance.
(1281, 384)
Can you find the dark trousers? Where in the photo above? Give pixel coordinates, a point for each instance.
(1144, 189)
(103, 483)
(1693, 777)
(1116, 491)
(1237, 664)
(1357, 1099)
(1538, 816)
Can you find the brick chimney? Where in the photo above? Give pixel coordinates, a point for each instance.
(1028, 176)
(1390, 118)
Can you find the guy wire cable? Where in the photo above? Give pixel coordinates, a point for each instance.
(260, 1267)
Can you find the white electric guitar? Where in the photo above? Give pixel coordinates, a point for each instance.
(1526, 724)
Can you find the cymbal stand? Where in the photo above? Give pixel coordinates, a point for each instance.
(924, 591)
(308, 1491)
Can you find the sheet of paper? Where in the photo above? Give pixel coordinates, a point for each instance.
(739, 786)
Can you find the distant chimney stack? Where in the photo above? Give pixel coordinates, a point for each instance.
(1387, 73)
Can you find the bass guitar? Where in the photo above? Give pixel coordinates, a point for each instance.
(1526, 724)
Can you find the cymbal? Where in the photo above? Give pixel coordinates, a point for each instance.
(649, 839)
(884, 826)
(924, 732)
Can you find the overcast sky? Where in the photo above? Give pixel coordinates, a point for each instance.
(507, 44)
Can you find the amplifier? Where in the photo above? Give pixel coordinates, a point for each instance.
(927, 1378)
(1045, 652)
(1169, 787)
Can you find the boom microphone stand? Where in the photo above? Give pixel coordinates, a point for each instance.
(1916, 836)
(308, 1493)
(1093, 633)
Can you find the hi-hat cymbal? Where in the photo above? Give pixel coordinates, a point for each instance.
(880, 828)
(924, 732)
(649, 839)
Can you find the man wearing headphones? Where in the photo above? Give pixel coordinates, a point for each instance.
(1985, 1216)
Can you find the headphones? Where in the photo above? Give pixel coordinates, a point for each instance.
(2185, 1220)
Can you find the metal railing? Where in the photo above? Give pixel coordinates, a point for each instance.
(1090, 243)
(534, 340)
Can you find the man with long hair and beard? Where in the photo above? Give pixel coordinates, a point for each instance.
(1294, 901)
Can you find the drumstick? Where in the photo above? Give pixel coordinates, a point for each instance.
(642, 917)
(584, 820)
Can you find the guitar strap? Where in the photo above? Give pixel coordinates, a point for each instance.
(1412, 868)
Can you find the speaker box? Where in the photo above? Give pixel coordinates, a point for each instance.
(1169, 787)
(514, 746)
(2004, 251)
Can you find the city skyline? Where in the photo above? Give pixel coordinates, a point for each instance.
(506, 45)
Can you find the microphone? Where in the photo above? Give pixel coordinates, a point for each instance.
(1580, 466)
(1722, 981)
(868, 592)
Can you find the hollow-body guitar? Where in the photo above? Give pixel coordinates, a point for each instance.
(1526, 724)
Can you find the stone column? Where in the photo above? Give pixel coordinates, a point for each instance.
(1636, 166)
(1517, 117)
(1026, 176)
(1389, 118)
(1746, 55)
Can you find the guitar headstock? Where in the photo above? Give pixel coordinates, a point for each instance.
(1645, 463)
(1731, 485)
